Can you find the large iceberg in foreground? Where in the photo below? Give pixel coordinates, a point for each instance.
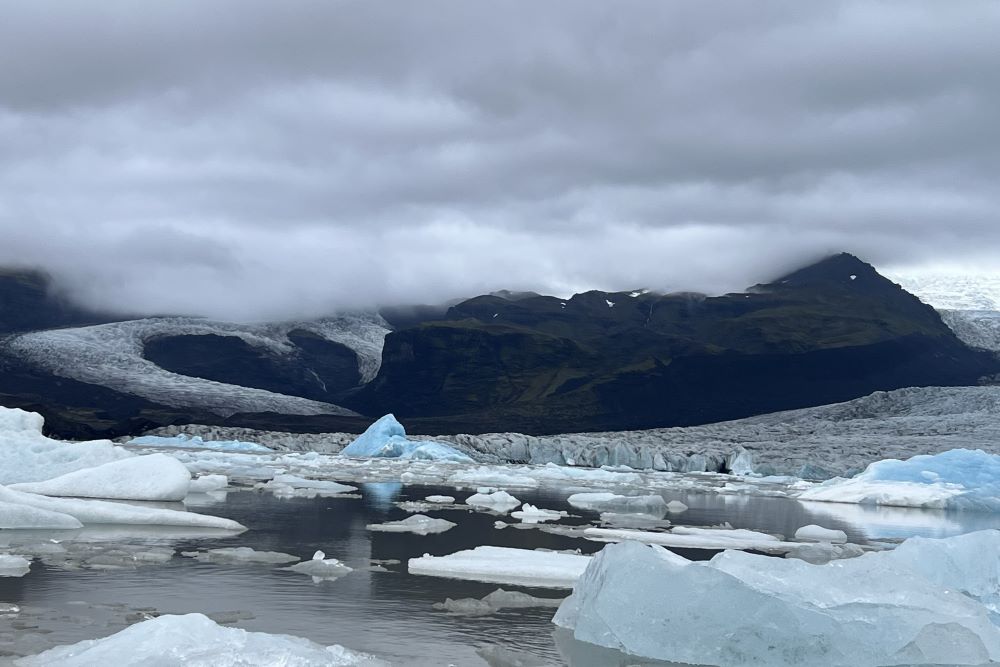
(151, 477)
(739, 609)
(957, 479)
(386, 438)
(194, 640)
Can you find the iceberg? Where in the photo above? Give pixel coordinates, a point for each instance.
(12, 565)
(498, 501)
(692, 537)
(28, 456)
(240, 555)
(742, 608)
(386, 438)
(151, 477)
(612, 502)
(960, 479)
(418, 523)
(505, 565)
(194, 640)
(814, 533)
(14, 516)
(196, 442)
(321, 568)
(493, 602)
(87, 511)
(531, 514)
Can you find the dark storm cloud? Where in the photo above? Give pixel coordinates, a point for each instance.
(251, 158)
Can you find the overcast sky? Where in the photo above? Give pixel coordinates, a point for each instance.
(252, 158)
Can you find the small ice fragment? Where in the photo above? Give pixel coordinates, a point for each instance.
(814, 533)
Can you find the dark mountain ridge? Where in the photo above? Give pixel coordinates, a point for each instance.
(507, 361)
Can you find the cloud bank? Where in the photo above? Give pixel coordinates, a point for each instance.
(251, 159)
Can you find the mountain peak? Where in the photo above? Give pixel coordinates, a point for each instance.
(840, 269)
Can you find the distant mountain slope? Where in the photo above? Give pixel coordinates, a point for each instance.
(28, 303)
(829, 332)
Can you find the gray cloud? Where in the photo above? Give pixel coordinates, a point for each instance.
(258, 159)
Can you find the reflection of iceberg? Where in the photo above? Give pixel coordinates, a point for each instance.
(380, 495)
(898, 522)
(386, 438)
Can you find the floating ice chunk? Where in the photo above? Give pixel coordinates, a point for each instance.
(691, 537)
(28, 456)
(819, 553)
(240, 555)
(195, 640)
(814, 533)
(531, 514)
(418, 523)
(196, 442)
(103, 511)
(208, 483)
(13, 565)
(870, 610)
(612, 502)
(493, 602)
(386, 438)
(503, 565)
(491, 476)
(676, 507)
(966, 563)
(152, 477)
(321, 568)
(296, 482)
(22, 516)
(956, 479)
(499, 501)
(440, 500)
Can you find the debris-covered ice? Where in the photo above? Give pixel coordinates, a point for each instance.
(739, 608)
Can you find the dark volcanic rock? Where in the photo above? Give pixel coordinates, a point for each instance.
(602, 361)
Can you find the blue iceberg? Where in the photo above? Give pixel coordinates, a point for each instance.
(961, 479)
(386, 438)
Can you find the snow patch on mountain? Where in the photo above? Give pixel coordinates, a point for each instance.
(111, 355)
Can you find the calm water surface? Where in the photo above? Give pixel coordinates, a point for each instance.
(388, 613)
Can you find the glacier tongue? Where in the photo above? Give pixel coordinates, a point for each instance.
(741, 609)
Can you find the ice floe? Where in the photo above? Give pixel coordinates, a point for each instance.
(321, 568)
(613, 502)
(88, 511)
(531, 514)
(196, 640)
(151, 477)
(742, 608)
(504, 565)
(14, 565)
(493, 602)
(498, 501)
(692, 537)
(418, 523)
(240, 555)
(195, 442)
(814, 533)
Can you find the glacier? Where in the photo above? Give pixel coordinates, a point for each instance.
(111, 355)
(194, 640)
(742, 608)
(815, 443)
(958, 479)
